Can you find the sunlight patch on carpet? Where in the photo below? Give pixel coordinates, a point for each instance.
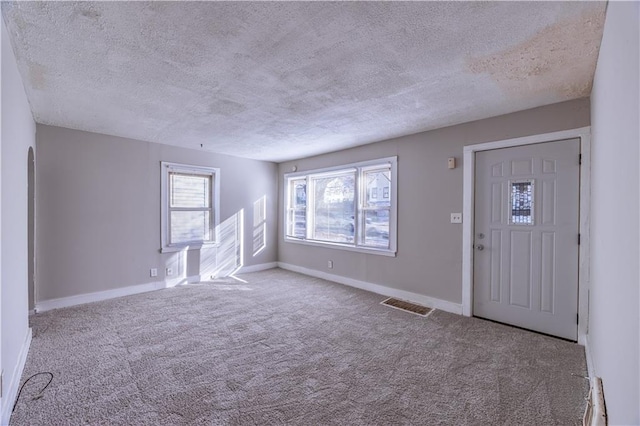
(230, 287)
(226, 284)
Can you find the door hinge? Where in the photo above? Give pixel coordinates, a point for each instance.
(580, 159)
(577, 318)
(578, 239)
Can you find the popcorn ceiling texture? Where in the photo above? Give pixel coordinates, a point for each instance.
(545, 63)
(283, 80)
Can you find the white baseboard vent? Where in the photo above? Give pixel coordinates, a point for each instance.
(405, 306)
(596, 412)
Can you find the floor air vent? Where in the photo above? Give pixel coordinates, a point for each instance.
(423, 311)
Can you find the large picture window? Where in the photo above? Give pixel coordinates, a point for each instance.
(353, 206)
(189, 205)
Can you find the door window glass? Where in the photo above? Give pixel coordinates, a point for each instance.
(521, 202)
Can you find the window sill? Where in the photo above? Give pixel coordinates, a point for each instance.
(367, 250)
(187, 247)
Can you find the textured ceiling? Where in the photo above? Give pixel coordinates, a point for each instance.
(278, 81)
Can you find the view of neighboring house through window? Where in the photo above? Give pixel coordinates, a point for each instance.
(189, 205)
(333, 207)
(350, 206)
(376, 206)
(297, 211)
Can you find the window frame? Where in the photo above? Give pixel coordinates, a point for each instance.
(291, 211)
(166, 168)
(359, 200)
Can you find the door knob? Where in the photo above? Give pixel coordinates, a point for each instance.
(480, 247)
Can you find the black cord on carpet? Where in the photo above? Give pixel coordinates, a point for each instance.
(39, 394)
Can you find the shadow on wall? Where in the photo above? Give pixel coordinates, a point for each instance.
(227, 257)
(221, 260)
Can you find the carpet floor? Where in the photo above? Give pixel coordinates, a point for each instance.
(284, 348)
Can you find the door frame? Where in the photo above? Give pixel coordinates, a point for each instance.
(31, 228)
(468, 210)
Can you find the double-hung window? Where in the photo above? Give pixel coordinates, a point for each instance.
(352, 206)
(190, 206)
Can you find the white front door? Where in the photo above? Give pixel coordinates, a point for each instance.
(526, 236)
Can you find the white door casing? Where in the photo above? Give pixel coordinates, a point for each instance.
(526, 236)
(468, 252)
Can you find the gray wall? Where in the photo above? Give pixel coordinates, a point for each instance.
(429, 259)
(98, 210)
(615, 279)
(18, 134)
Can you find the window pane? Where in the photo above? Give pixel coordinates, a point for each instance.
(300, 224)
(190, 190)
(521, 202)
(188, 226)
(299, 194)
(376, 228)
(377, 188)
(296, 223)
(296, 217)
(334, 208)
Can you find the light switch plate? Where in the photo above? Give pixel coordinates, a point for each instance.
(456, 217)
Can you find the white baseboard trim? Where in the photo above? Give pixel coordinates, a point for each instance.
(431, 302)
(193, 279)
(80, 299)
(591, 372)
(257, 268)
(596, 405)
(9, 398)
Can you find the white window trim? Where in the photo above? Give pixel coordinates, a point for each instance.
(165, 169)
(393, 211)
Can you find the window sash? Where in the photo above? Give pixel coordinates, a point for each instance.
(379, 236)
(185, 186)
(292, 221)
(337, 224)
(187, 227)
(207, 204)
(208, 197)
(294, 208)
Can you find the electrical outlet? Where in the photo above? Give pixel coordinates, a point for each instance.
(456, 217)
(169, 272)
(330, 264)
(154, 272)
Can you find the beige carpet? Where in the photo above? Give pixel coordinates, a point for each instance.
(284, 348)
